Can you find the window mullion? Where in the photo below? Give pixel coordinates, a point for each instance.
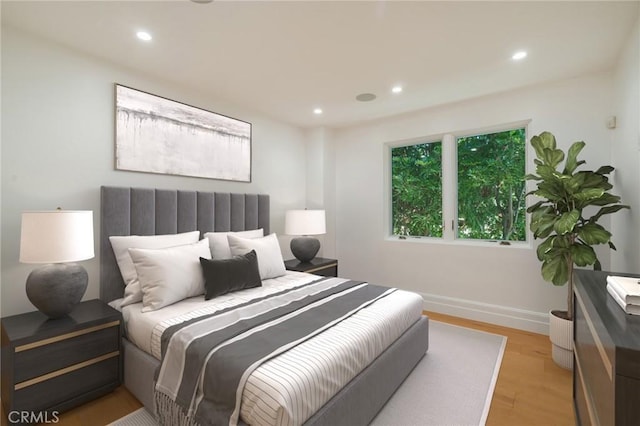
(449, 186)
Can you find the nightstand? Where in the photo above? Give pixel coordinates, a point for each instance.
(51, 365)
(318, 265)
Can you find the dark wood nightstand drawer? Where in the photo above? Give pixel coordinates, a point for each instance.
(56, 364)
(65, 350)
(331, 271)
(52, 392)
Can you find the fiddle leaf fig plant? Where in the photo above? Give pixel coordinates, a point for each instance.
(560, 218)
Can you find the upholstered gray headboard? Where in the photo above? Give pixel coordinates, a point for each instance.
(148, 211)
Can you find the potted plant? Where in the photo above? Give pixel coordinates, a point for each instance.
(560, 220)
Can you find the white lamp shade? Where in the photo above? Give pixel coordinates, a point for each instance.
(305, 222)
(56, 236)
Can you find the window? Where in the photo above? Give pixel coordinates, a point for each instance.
(467, 187)
(417, 189)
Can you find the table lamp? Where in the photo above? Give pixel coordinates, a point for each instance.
(56, 238)
(304, 223)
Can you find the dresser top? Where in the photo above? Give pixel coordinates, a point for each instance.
(622, 328)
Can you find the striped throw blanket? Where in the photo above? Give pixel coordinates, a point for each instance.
(207, 361)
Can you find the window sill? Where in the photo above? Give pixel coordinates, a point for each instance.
(467, 243)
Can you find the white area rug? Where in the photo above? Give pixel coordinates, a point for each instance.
(452, 385)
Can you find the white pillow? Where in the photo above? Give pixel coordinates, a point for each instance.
(220, 245)
(121, 246)
(171, 274)
(270, 261)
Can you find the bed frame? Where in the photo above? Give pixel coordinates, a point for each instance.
(146, 211)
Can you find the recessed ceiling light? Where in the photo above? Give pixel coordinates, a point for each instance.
(317, 111)
(396, 89)
(202, 1)
(519, 55)
(144, 36)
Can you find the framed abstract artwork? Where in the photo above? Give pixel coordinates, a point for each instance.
(158, 135)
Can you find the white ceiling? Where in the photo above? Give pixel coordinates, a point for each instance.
(286, 58)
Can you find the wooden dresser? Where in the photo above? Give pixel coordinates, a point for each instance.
(606, 374)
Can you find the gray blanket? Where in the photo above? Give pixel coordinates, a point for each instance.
(203, 371)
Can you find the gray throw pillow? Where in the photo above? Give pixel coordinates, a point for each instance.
(226, 275)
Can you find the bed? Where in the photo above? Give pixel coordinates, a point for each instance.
(146, 211)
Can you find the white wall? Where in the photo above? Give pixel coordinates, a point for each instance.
(58, 147)
(490, 283)
(625, 156)
(320, 161)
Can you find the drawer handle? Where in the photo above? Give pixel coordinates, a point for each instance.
(65, 336)
(65, 370)
(596, 338)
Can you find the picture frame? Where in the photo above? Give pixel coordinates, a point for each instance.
(159, 135)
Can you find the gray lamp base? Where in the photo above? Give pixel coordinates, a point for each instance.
(57, 288)
(305, 248)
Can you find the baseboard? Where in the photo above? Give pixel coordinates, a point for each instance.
(537, 322)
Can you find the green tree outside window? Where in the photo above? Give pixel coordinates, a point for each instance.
(490, 187)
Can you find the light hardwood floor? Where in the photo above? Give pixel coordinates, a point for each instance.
(531, 389)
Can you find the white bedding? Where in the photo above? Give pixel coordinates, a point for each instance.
(145, 329)
(288, 389)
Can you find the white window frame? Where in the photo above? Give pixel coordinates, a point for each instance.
(450, 186)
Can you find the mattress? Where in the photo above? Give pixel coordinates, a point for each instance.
(288, 389)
